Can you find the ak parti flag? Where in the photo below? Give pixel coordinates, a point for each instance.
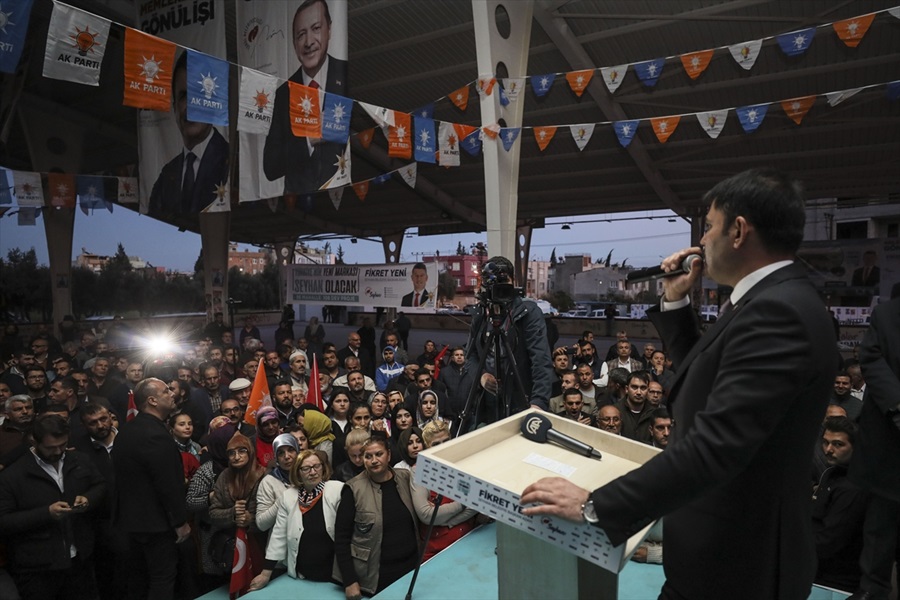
(399, 144)
(796, 108)
(259, 395)
(696, 62)
(460, 97)
(663, 127)
(314, 396)
(361, 189)
(62, 190)
(365, 137)
(306, 112)
(579, 80)
(852, 31)
(148, 71)
(543, 135)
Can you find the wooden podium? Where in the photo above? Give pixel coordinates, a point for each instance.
(538, 556)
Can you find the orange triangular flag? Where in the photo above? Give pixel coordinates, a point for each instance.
(259, 395)
(361, 189)
(463, 131)
(663, 127)
(305, 109)
(399, 144)
(851, 31)
(543, 135)
(696, 62)
(61, 190)
(486, 85)
(579, 80)
(460, 97)
(365, 137)
(492, 131)
(148, 71)
(796, 108)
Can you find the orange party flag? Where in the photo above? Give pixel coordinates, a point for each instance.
(365, 137)
(796, 108)
(492, 131)
(399, 144)
(306, 114)
(361, 189)
(259, 395)
(148, 71)
(578, 81)
(696, 62)
(663, 127)
(460, 97)
(851, 31)
(543, 135)
(61, 190)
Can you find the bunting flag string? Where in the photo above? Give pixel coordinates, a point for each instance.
(76, 43)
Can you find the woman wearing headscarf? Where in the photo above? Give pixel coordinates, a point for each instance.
(215, 461)
(303, 535)
(318, 429)
(268, 428)
(427, 408)
(381, 417)
(409, 444)
(265, 503)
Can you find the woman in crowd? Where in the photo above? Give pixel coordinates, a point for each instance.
(265, 504)
(395, 397)
(303, 535)
(375, 518)
(300, 435)
(360, 416)
(409, 444)
(340, 426)
(268, 428)
(401, 420)
(428, 355)
(319, 432)
(378, 406)
(453, 519)
(353, 466)
(427, 408)
(182, 427)
(315, 337)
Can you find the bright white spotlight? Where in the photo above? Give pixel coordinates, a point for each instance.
(159, 344)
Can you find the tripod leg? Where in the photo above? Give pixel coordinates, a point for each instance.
(437, 502)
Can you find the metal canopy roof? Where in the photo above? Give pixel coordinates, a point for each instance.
(406, 53)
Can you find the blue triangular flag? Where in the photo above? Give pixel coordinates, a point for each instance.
(504, 99)
(14, 15)
(893, 90)
(336, 118)
(508, 136)
(90, 192)
(649, 70)
(541, 84)
(207, 89)
(5, 187)
(472, 143)
(625, 130)
(796, 42)
(381, 179)
(425, 140)
(751, 117)
(425, 112)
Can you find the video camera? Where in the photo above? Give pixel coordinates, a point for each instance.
(496, 285)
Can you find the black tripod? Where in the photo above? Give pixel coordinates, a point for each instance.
(495, 311)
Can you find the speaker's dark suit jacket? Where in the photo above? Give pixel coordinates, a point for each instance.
(733, 483)
(876, 454)
(286, 155)
(165, 199)
(149, 478)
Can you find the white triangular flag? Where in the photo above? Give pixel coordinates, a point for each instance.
(273, 204)
(582, 134)
(835, 98)
(29, 190)
(76, 42)
(336, 196)
(408, 173)
(746, 53)
(222, 203)
(512, 86)
(448, 145)
(713, 121)
(128, 190)
(894, 12)
(384, 117)
(613, 77)
(257, 98)
(341, 176)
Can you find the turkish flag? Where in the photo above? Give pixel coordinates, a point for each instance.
(242, 567)
(132, 407)
(315, 392)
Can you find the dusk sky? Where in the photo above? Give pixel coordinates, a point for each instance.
(643, 241)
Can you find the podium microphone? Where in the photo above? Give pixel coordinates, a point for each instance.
(538, 428)
(651, 273)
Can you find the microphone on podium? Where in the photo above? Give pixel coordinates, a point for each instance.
(538, 428)
(651, 273)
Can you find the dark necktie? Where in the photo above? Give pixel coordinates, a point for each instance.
(725, 308)
(187, 185)
(314, 84)
(416, 302)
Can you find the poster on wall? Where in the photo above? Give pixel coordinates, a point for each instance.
(853, 272)
(409, 286)
(303, 44)
(169, 141)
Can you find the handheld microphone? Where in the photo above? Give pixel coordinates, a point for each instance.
(538, 428)
(651, 273)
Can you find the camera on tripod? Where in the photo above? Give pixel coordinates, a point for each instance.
(496, 285)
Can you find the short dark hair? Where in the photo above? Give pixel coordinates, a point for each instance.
(642, 375)
(67, 382)
(49, 424)
(572, 392)
(842, 424)
(770, 200)
(90, 409)
(282, 382)
(660, 412)
(420, 265)
(423, 371)
(842, 373)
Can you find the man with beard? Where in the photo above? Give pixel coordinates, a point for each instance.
(15, 428)
(36, 387)
(100, 385)
(14, 376)
(232, 409)
(356, 385)
(44, 501)
(843, 397)
(228, 370)
(299, 365)
(206, 401)
(635, 410)
(282, 401)
(458, 379)
(65, 392)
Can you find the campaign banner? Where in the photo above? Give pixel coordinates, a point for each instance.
(410, 286)
(852, 272)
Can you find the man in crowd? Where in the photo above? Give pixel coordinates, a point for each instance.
(134, 373)
(660, 427)
(19, 411)
(589, 391)
(622, 361)
(636, 411)
(654, 394)
(613, 352)
(282, 400)
(610, 419)
(232, 409)
(587, 355)
(569, 381)
(36, 387)
(240, 389)
(351, 363)
(843, 398)
(458, 380)
(389, 370)
(573, 404)
(14, 376)
(299, 366)
(857, 381)
(561, 366)
(356, 385)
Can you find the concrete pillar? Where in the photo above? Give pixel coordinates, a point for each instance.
(502, 36)
(697, 221)
(59, 226)
(284, 256)
(392, 245)
(523, 251)
(214, 230)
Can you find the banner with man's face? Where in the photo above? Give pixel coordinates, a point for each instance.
(305, 43)
(410, 286)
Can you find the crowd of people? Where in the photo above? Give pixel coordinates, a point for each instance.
(123, 476)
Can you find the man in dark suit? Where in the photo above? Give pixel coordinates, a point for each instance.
(868, 275)
(875, 465)
(736, 467)
(305, 163)
(419, 296)
(149, 504)
(197, 175)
